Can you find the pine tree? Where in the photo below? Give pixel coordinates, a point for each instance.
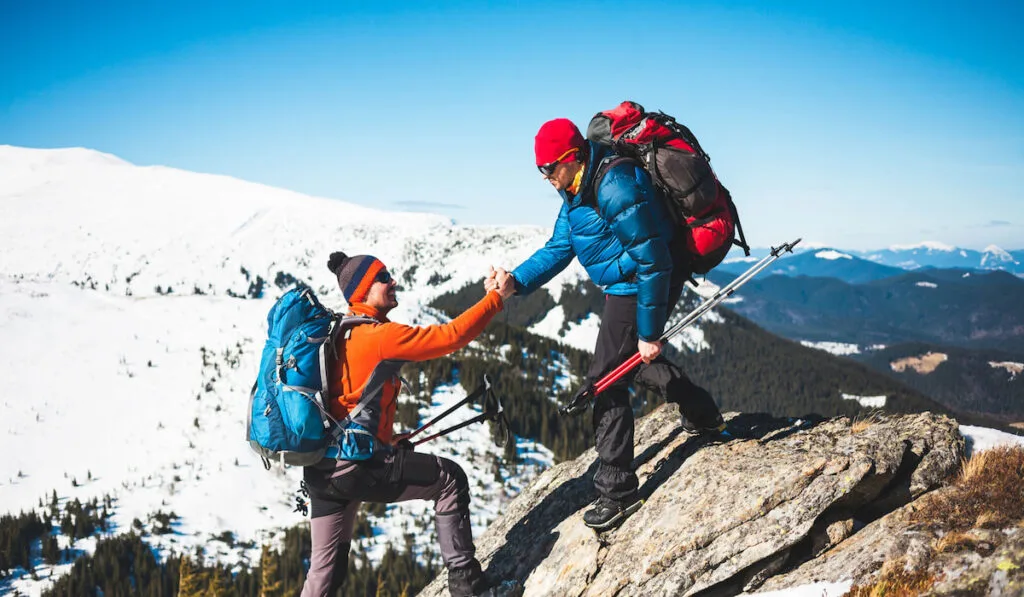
(218, 585)
(270, 580)
(190, 581)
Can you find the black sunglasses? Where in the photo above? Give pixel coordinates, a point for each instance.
(548, 169)
(384, 277)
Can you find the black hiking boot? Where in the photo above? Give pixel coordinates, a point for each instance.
(608, 513)
(718, 429)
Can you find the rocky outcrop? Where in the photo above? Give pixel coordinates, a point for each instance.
(724, 517)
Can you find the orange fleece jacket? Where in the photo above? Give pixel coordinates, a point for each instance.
(372, 343)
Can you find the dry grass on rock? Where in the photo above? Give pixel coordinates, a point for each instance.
(895, 581)
(988, 494)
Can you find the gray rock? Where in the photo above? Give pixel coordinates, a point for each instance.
(721, 517)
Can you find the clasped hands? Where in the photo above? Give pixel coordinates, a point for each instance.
(501, 282)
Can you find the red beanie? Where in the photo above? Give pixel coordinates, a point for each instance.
(554, 139)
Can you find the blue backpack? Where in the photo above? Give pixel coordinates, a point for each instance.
(289, 421)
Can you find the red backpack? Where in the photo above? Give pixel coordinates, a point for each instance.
(682, 173)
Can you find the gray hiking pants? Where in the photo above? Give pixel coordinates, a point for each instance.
(336, 488)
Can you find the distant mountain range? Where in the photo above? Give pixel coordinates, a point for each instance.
(945, 321)
(963, 308)
(822, 263)
(931, 254)
(864, 266)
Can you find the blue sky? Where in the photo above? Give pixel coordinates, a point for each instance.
(855, 124)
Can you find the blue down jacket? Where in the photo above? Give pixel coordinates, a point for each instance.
(623, 244)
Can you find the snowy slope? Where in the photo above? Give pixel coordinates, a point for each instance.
(87, 218)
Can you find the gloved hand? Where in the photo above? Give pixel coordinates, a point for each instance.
(580, 400)
(401, 442)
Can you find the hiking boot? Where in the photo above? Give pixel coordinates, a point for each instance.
(715, 430)
(608, 513)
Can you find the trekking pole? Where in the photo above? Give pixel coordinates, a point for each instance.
(579, 402)
(477, 393)
(495, 413)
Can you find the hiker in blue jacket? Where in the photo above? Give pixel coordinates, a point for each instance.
(623, 236)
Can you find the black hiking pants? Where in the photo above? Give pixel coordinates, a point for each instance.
(613, 415)
(337, 487)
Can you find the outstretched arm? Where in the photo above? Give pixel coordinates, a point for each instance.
(546, 262)
(412, 343)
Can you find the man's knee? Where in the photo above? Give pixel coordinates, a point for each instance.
(455, 492)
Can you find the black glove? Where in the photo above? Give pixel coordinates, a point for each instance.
(405, 444)
(579, 401)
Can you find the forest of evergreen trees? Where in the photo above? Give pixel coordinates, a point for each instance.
(75, 520)
(966, 380)
(125, 565)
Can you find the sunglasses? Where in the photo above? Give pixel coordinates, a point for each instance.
(548, 169)
(384, 277)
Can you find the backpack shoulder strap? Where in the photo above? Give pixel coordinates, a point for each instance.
(603, 167)
(344, 326)
(347, 323)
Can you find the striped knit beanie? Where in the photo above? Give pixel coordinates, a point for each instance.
(355, 274)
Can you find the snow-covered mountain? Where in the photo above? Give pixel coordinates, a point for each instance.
(824, 263)
(93, 220)
(816, 259)
(938, 255)
(122, 322)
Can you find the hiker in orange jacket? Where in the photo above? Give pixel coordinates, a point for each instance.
(366, 368)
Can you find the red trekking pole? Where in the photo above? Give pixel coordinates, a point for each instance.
(582, 398)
